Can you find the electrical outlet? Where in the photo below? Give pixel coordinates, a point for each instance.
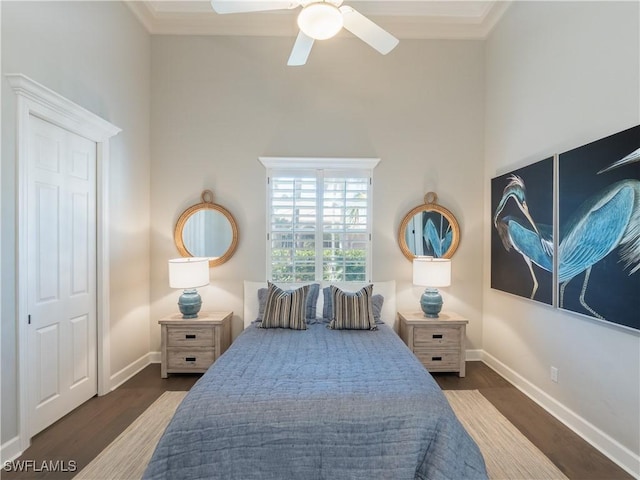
(554, 374)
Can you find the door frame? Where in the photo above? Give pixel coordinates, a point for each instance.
(37, 100)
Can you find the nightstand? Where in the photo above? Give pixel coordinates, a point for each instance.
(191, 345)
(439, 343)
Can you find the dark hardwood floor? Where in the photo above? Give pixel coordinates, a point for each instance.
(86, 431)
(576, 458)
(82, 434)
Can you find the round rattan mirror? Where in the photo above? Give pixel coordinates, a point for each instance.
(207, 230)
(429, 230)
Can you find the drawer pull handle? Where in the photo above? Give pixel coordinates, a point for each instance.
(190, 335)
(436, 359)
(437, 335)
(190, 359)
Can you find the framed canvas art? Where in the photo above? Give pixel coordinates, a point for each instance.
(522, 232)
(599, 229)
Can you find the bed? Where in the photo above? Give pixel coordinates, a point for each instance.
(316, 404)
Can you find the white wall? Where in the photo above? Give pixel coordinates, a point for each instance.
(218, 103)
(97, 55)
(559, 75)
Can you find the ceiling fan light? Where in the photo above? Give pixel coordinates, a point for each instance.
(320, 20)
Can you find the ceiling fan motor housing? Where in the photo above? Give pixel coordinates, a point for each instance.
(320, 20)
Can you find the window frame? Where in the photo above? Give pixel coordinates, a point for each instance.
(297, 166)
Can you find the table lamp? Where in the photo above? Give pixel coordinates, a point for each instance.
(431, 273)
(189, 274)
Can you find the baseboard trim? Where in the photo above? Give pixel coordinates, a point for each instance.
(608, 446)
(154, 357)
(473, 355)
(10, 450)
(130, 370)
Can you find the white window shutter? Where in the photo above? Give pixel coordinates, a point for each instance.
(319, 219)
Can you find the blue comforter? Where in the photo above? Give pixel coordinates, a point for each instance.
(316, 404)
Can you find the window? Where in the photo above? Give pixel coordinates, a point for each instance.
(319, 219)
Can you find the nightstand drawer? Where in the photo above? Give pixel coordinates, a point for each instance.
(437, 336)
(185, 359)
(191, 345)
(439, 343)
(439, 361)
(189, 336)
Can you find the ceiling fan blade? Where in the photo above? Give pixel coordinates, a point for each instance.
(368, 31)
(243, 6)
(301, 50)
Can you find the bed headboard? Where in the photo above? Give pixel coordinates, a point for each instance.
(386, 289)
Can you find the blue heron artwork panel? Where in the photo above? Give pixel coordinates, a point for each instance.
(599, 238)
(522, 232)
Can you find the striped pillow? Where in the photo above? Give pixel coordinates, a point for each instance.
(352, 311)
(327, 308)
(310, 307)
(285, 308)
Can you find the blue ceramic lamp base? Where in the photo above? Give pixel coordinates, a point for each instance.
(190, 303)
(431, 302)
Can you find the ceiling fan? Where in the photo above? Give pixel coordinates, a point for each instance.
(318, 20)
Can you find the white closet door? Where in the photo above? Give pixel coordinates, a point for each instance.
(61, 249)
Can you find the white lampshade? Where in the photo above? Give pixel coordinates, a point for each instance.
(320, 20)
(431, 272)
(188, 272)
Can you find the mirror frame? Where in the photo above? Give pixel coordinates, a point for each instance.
(207, 204)
(429, 205)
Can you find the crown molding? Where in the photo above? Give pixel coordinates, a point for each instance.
(494, 15)
(196, 20)
(143, 13)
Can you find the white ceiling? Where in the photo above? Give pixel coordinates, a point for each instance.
(404, 19)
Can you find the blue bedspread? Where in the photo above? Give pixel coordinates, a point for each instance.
(316, 404)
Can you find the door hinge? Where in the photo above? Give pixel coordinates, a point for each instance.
(29, 319)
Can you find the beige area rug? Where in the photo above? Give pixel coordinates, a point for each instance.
(507, 453)
(127, 457)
